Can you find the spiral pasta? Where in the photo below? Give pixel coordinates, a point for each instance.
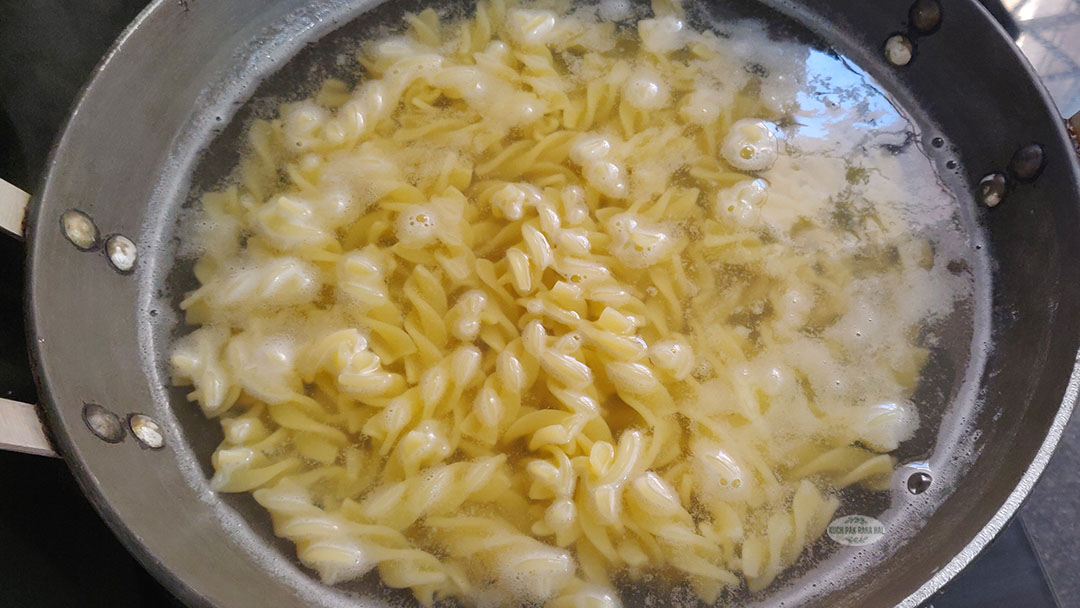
(544, 300)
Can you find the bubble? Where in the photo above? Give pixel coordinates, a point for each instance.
(615, 10)
(646, 90)
(750, 145)
(416, 226)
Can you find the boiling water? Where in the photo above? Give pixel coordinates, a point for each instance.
(845, 141)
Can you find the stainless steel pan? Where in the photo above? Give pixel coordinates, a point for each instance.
(157, 123)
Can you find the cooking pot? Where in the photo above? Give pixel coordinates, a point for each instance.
(157, 124)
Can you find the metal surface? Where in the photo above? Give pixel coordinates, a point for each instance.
(12, 208)
(21, 429)
(970, 94)
(1049, 35)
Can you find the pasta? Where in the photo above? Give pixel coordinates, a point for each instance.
(544, 303)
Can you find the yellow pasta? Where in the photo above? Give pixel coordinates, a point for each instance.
(541, 302)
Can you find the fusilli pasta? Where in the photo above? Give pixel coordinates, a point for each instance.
(542, 300)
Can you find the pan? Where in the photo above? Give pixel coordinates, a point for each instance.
(159, 121)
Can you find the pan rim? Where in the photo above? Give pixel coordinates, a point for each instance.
(1009, 508)
(63, 441)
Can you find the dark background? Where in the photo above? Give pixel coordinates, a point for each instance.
(54, 549)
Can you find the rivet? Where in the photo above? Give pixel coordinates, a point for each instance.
(919, 482)
(925, 16)
(121, 252)
(106, 425)
(1028, 162)
(951, 164)
(992, 189)
(147, 431)
(899, 50)
(79, 229)
(937, 142)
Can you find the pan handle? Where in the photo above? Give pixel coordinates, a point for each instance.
(12, 208)
(1073, 125)
(21, 429)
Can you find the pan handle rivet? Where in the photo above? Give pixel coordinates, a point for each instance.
(925, 16)
(147, 431)
(79, 229)
(121, 252)
(1028, 162)
(899, 50)
(106, 425)
(992, 189)
(919, 482)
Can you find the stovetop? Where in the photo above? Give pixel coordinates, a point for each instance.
(56, 551)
